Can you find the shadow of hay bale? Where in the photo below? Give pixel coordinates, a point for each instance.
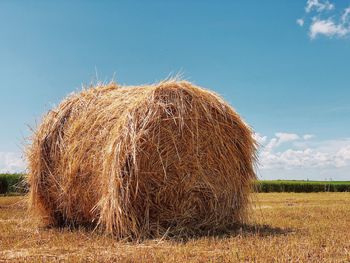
(242, 230)
(233, 231)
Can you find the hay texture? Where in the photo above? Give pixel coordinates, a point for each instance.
(142, 161)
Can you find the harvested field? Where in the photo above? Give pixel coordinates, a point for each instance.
(286, 227)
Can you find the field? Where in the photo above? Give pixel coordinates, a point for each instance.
(285, 227)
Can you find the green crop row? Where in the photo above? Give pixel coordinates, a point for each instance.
(12, 183)
(302, 186)
(15, 183)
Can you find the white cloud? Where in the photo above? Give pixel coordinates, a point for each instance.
(307, 154)
(11, 162)
(291, 158)
(286, 137)
(345, 16)
(308, 136)
(318, 6)
(324, 21)
(300, 22)
(259, 138)
(342, 156)
(280, 138)
(327, 28)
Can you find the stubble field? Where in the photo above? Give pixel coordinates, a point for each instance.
(285, 227)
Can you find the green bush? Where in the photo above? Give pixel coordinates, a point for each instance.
(12, 183)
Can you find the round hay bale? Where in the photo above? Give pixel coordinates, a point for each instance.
(142, 161)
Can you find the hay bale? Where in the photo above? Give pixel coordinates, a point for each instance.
(142, 161)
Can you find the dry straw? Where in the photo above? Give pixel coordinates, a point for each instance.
(142, 161)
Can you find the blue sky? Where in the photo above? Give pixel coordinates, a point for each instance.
(283, 65)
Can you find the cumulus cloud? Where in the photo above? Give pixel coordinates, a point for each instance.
(303, 154)
(327, 28)
(322, 20)
(308, 136)
(318, 6)
(11, 162)
(343, 156)
(280, 138)
(286, 137)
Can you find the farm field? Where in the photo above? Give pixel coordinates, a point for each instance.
(284, 227)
